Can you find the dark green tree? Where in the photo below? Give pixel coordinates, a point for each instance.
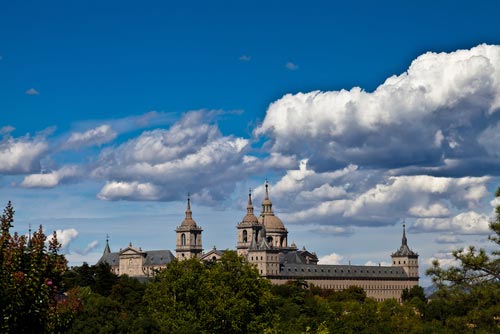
(30, 278)
(227, 296)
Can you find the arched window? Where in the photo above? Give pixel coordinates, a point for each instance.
(183, 239)
(245, 235)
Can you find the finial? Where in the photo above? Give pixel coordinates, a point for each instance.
(107, 238)
(267, 190)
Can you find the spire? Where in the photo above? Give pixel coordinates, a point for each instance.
(404, 250)
(250, 205)
(188, 221)
(267, 205)
(404, 240)
(189, 213)
(107, 250)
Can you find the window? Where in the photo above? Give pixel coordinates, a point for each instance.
(183, 239)
(245, 236)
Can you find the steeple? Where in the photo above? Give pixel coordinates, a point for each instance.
(267, 205)
(250, 205)
(107, 250)
(404, 241)
(188, 220)
(404, 250)
(189, 213)
(188, 236)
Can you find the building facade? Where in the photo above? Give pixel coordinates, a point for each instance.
(263, 242)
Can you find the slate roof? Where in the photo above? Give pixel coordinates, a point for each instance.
(288, 270)
(153, 258)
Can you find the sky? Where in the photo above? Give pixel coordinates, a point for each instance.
(362, 116)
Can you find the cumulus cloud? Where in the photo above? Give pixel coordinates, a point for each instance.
(32, 91)
(444, 107)
(354, 197)
(332, 258)
(469, 222)
(192, 155)
(51, 179)
(97, 136)
(21, 155)
(66, 236)
(129, 190)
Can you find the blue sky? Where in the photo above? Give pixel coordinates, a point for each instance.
(361, 115)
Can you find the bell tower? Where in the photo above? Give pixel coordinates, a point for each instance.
(188, 237)
(406, 258)
(248, 229)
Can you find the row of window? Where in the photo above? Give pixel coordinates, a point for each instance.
(341, 270)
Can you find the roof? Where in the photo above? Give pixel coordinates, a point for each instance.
(249, 218)
(404, 250)
(298, 257)
(290, 270)
(188, 220)
(152, 258)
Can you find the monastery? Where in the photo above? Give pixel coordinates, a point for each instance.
(263, 241)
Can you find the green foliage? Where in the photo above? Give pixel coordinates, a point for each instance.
(30, 278)
(227, 296)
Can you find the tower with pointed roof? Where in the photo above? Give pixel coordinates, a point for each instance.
(248, 229)
(188, 237)
(406, 258)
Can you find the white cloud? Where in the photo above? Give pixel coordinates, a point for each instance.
(434, 112)
(129, 190)
(245, 58)
(32, 91)
(97, 136)
(469, 222)
(52, 179)
(66, 236)
(165, 164)
(351, 196)
(332, 258)
(21, 155)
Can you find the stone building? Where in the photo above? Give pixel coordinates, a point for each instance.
(263, 241)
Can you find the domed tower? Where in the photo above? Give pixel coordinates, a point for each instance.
(406, 258)
(248, 229)
(276, 233)
(188, 243)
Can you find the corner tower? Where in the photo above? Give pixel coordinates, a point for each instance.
(188, 236)
(406, 258)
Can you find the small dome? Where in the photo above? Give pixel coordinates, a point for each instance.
(188, 221)
(271, 222)
(250, 218)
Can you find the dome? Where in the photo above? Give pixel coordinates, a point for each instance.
(271, 222)
(250, 217)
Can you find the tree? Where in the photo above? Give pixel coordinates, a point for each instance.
(227, 296)
(474, 266)
(30, 277)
